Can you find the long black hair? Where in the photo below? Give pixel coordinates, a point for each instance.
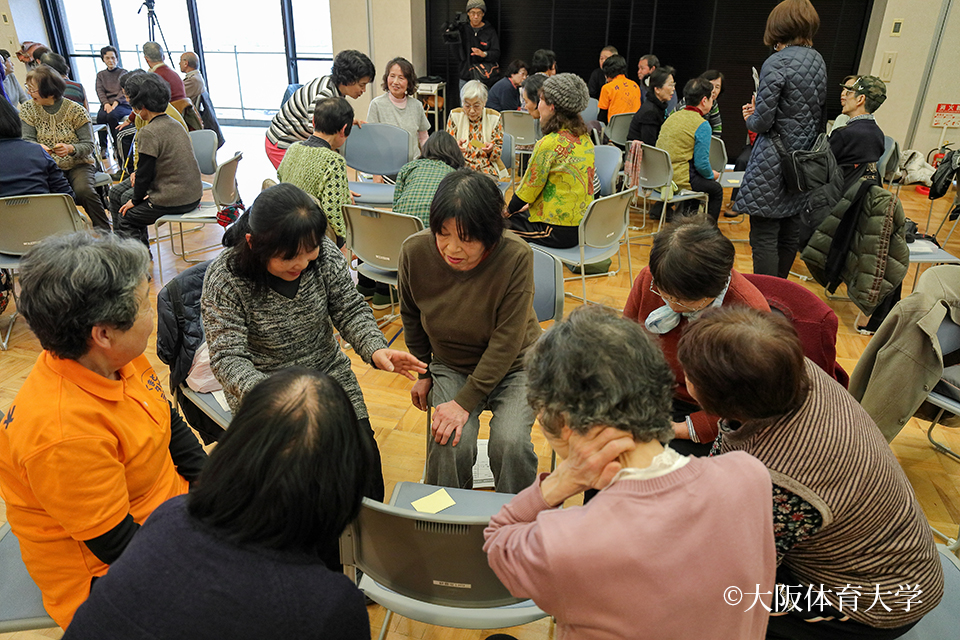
(282, 222)
(290, 472)
(443, 147)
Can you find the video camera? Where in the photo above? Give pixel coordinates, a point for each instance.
(451, 30)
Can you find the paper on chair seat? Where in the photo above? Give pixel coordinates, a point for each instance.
(482, 474)
(201, 213)
(221, 398)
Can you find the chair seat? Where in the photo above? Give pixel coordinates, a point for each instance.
(372, 193)
(572, 255)
(928, 251)
(209, 217)
(9, 262)
(206, 185)
(378, 275)
(101, 179)
(944, 620)
(679, 196)
(458, 617)
(21, 605)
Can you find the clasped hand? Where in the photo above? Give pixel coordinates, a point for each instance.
(591, 463)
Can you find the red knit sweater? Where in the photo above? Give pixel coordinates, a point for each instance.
(642, 302)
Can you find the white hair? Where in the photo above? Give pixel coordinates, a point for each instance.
(474, 90)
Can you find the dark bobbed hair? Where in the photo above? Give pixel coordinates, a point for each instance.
(744, 364)
(543, 60)
(660, 76)
(575, 377)
(4, 54)
(792, 22)
(532, 85)
(691, 259)
(107, 49)
(652, 60)
(282, 222)
(614, 66)
(330, 115)
(406, 68)
(290, 472)
(10, 126)
(56, 62)
(696, 90)
(443, 147)
(38, 52)
(128, 76)
(70, 284)
(514, 67)
(474, 201)
(148, 91)
(712, 74)
(49, 83)
(350, 66)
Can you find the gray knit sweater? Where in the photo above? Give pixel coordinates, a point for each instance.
(252, 336)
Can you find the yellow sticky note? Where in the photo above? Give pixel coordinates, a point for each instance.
(476, 144)
(734, 181)
(433, 503)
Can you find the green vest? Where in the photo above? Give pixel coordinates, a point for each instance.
(676, 138)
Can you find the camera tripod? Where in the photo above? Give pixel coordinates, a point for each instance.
(153, 25)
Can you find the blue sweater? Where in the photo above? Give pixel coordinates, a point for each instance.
(503, 96)
(27, 169)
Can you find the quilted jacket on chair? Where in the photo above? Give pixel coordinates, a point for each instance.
(877, 256)
(790, 99)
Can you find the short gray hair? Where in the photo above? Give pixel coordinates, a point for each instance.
(192, 60)
(474, 90)
(597, 368)
(72, 283)
(152, 52)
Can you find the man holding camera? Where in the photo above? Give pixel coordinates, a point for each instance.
(480, 45)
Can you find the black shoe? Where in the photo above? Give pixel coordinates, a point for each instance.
(955, 213)
(730, 213)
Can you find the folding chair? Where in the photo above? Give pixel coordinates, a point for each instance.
(607, 161)
(378, 149)
(204, 143)
(656, 182)
(617, 129)
(522, 126)
(21, 605)
(592, 111)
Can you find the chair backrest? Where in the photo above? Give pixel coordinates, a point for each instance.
(521, 125)
(889, 162)
(428, 557)
(618, 127)
(288, 92)
(656, 171)
(21, 605)
(376, 235)
(377, 148)
(547, 286)
(948, 335)
(592, 111)
(506, 154)
(607, 161)
(26, 220)
(225, 189)
(718, 154)
(606, 220)
(204, 143)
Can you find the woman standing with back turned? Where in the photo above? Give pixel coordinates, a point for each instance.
(788, 103)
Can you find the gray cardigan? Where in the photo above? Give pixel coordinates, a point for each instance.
(252, 336)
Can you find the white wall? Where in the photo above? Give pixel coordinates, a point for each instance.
(20, 20)
(913, 49)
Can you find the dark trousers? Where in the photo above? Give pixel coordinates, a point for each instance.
(546, 235)
(81, 179)
(134, 223)
(119, 194)
(774, 242)
(112, 120)
(710, 187)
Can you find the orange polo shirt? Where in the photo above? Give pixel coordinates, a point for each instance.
(620, 95)
(78, 452)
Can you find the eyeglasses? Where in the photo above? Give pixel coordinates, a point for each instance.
(845, 89)
(671, 300)
(30, 89)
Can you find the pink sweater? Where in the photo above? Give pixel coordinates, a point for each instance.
(646, 558)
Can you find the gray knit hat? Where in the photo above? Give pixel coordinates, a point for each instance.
(566, 92)
(476, 4)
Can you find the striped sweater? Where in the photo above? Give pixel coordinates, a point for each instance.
(252, 336)
(830, 453)
(294, 121)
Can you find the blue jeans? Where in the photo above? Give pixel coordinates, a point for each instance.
(512, 458)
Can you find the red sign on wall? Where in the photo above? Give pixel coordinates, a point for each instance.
(947, 115)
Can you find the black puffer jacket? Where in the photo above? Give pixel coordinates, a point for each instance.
(179, 339)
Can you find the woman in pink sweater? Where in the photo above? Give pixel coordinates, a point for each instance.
(631, 563)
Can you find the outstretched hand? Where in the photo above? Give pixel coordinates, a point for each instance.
(399, 362)
(592, 462)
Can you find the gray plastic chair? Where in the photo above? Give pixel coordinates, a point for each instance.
(418, 565)
(225, 192)
(506, 156)
(607, 161)
(944, 620)
(718, 155)
(656, 172)
(547, 285)
(378, 149)
(603, 226)
(21, 605)
(522, 126)
(617, 129)
(592, 111)
(204, 144)
(375, 236)
(948, 335)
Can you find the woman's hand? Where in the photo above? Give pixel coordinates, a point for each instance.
(399, 362)
(63, 149)
(681, 431)
(750, 107)
(418, 394)
(110, 107)
(359, 123)
(133, 178)
(448, 418)
(126, 207)
(487, 148)
(591, 463)
(478, 52)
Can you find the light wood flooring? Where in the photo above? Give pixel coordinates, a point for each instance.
(400, 428)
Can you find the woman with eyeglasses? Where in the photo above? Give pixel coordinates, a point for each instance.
(690, 270)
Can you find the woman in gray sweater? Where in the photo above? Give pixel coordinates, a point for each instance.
(273, 299)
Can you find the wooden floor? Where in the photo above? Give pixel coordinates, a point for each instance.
(400, 428)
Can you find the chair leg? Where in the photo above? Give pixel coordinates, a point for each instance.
(583, 276)
(942, 448)
(386, 624)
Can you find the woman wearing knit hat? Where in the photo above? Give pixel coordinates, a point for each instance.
(559, 183)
